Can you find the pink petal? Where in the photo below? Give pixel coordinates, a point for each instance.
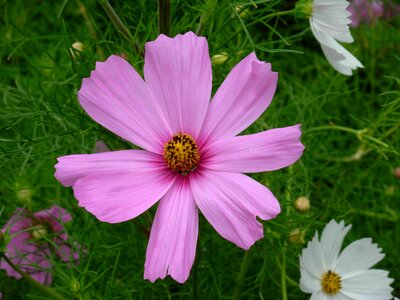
(116, 97)
(265, 151)
(231, 202)
(178, 73)
(29, 257)
(66, 253)
(39, 269)
(18, 221)
(73, 167)
(120, 195)
(16, 249)
(55, 215)
(172, 246)
(241, 99)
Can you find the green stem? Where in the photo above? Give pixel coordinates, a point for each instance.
(164, 17)
(279, 13)
(271, 15)
(195, 289)
(334, 127)
(283, 274)
(195, 277)
(200, 27)
(242, 275)
(115, 19)
(360, 133)
(26, 276)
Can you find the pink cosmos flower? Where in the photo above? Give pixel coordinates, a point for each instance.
(192, 157)
(28, 247)
(365, 11)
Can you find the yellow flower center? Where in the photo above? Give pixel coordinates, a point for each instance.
(331, 283)
(181, 154)
(39, 232)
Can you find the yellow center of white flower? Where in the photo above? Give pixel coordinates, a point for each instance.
(331, 283)
(182, 154)
(38, 232)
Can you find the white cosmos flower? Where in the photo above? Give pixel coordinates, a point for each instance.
(328, 275)
(329, 23)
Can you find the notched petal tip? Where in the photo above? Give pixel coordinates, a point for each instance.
(101, 67)
(162, 38)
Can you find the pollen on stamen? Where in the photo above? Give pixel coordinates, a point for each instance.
(331, 283)
(181, 154)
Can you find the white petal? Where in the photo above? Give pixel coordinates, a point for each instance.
(369, 285)
(331, 241)
(329, 24)
(339, 297)
(344, 65)
(330, 2)
(308, 282)
(312, 258)
(319, 296)
(341, 33)
(358, 256)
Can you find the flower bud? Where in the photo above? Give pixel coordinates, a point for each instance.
(303, 9)
(296, 236)
(243, 13)
(390, 190)
(219, 59)
(100, 146)
(302, 204)
(123, 55)
(76, 49)
(24, 194)
(75, 286)
(397, 172)
(39, 232)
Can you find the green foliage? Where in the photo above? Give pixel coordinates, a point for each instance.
(350, 131)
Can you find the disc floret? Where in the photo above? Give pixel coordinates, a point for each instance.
(182, 154)
(331, 283)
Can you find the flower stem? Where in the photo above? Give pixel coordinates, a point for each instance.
(26, 276)
(283, 274)
(279, 13)
(195, 289)
(204, 19)
(115, 19)
(242, 275)
(164, 17)
(195, 277)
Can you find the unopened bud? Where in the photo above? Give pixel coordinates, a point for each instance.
(100, 146)
(243, 12)
(397, 172)
(76, 49)
(296, 236)
(359, 154)
(302, 204)
(219, 59)
(390, 190)
(123, 55)
(303, 9)
(39, 232)
(24, 194)
(75, 286)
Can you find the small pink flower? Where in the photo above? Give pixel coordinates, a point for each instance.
(192, 157)
(365, 11)
(28, 247)
(100, 146)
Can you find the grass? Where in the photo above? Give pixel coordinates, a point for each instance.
(350, 131)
